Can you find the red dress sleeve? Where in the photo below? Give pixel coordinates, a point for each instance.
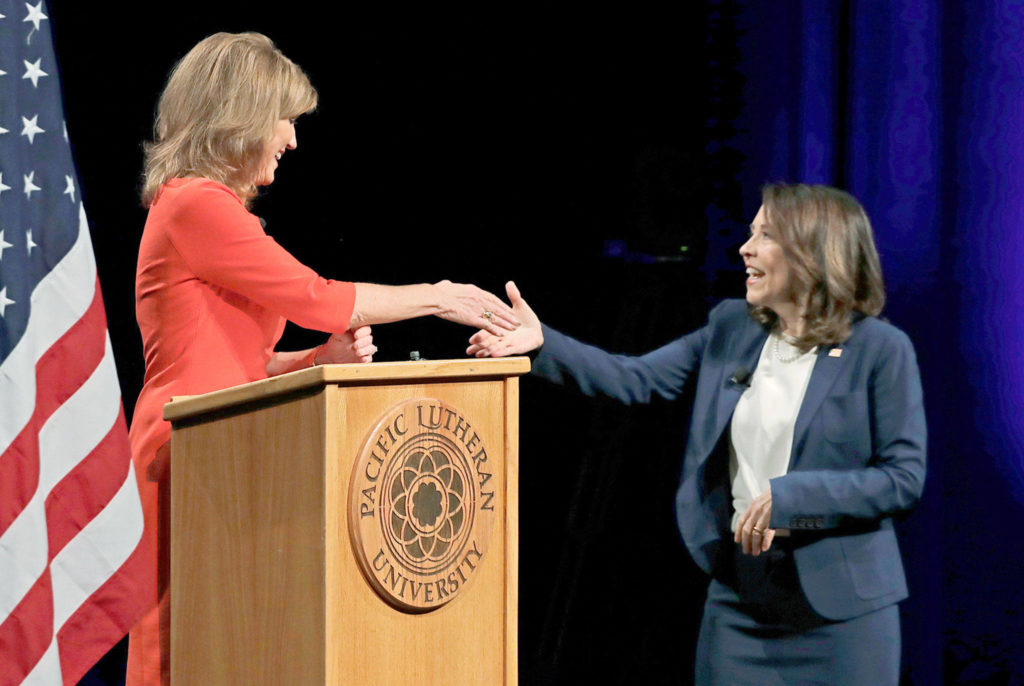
(225, 245)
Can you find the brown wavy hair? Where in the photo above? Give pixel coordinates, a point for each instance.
(827, 239)
(219, 109)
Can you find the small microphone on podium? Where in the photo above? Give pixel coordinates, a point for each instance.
(740, 378)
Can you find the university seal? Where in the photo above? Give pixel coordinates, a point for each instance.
(421, 505)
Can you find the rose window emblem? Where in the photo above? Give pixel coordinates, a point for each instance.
(427, 512)
(429, 497)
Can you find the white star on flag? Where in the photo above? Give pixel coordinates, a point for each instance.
(29, 243)
(70, 189)
(2, 72)
(3, 244)
(35, 14)
(2, 130)
(32, 71)
(4, 301)
(30, 185)
(2, 186)
(31, 128)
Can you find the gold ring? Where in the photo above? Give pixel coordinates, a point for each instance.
(488, 314)
(757, 531)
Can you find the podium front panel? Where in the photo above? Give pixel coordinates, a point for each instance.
(267, 584)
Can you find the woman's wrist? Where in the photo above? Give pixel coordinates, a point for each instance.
(436, 299)
(314, 356)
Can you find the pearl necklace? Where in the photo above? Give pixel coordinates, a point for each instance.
(793, 357)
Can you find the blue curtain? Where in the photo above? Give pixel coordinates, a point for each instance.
(917, 108)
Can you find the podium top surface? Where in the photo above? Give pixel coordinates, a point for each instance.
(182, 407)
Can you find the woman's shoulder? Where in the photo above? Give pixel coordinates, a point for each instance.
(185, 189)
(193, 199)
(880, 334)
(193, 208)
(731, 310)
(730, 323)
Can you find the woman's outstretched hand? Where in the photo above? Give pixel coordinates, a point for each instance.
(353, 346)
(466, 304)
(522, 340)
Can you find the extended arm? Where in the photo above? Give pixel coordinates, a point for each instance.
(564, 360)
(224, 245)
(456, 302)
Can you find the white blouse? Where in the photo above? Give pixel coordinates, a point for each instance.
(761, 433)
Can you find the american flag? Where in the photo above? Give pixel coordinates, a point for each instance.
(70, 516)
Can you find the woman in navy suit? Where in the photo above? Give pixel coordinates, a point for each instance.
(807, 437)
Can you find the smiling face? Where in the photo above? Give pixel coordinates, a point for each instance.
(282, 139)
(770, 280)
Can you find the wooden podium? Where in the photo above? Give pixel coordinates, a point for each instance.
(348, 524)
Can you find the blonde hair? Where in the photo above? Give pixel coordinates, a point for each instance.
(826, 237)
(219, 109)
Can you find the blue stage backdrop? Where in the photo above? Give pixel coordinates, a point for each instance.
(917, 107)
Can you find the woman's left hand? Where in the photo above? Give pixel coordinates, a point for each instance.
(351, 346)
(752, 528)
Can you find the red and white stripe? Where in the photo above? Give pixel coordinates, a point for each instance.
(70, 516)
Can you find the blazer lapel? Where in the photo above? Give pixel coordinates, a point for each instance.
(826, 370)
(747, 353)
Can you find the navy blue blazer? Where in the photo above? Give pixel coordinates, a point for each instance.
(858, 453)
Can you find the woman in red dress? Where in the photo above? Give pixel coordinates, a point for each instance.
(213, 290)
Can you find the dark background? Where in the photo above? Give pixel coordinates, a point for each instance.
(609, 164)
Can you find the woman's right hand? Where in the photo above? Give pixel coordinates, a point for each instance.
(524, 339)
(466, 304)
(353, 346)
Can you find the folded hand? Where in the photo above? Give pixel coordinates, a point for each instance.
(752, 528)
(348, 347)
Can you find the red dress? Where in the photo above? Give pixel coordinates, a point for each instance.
(212, 294)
